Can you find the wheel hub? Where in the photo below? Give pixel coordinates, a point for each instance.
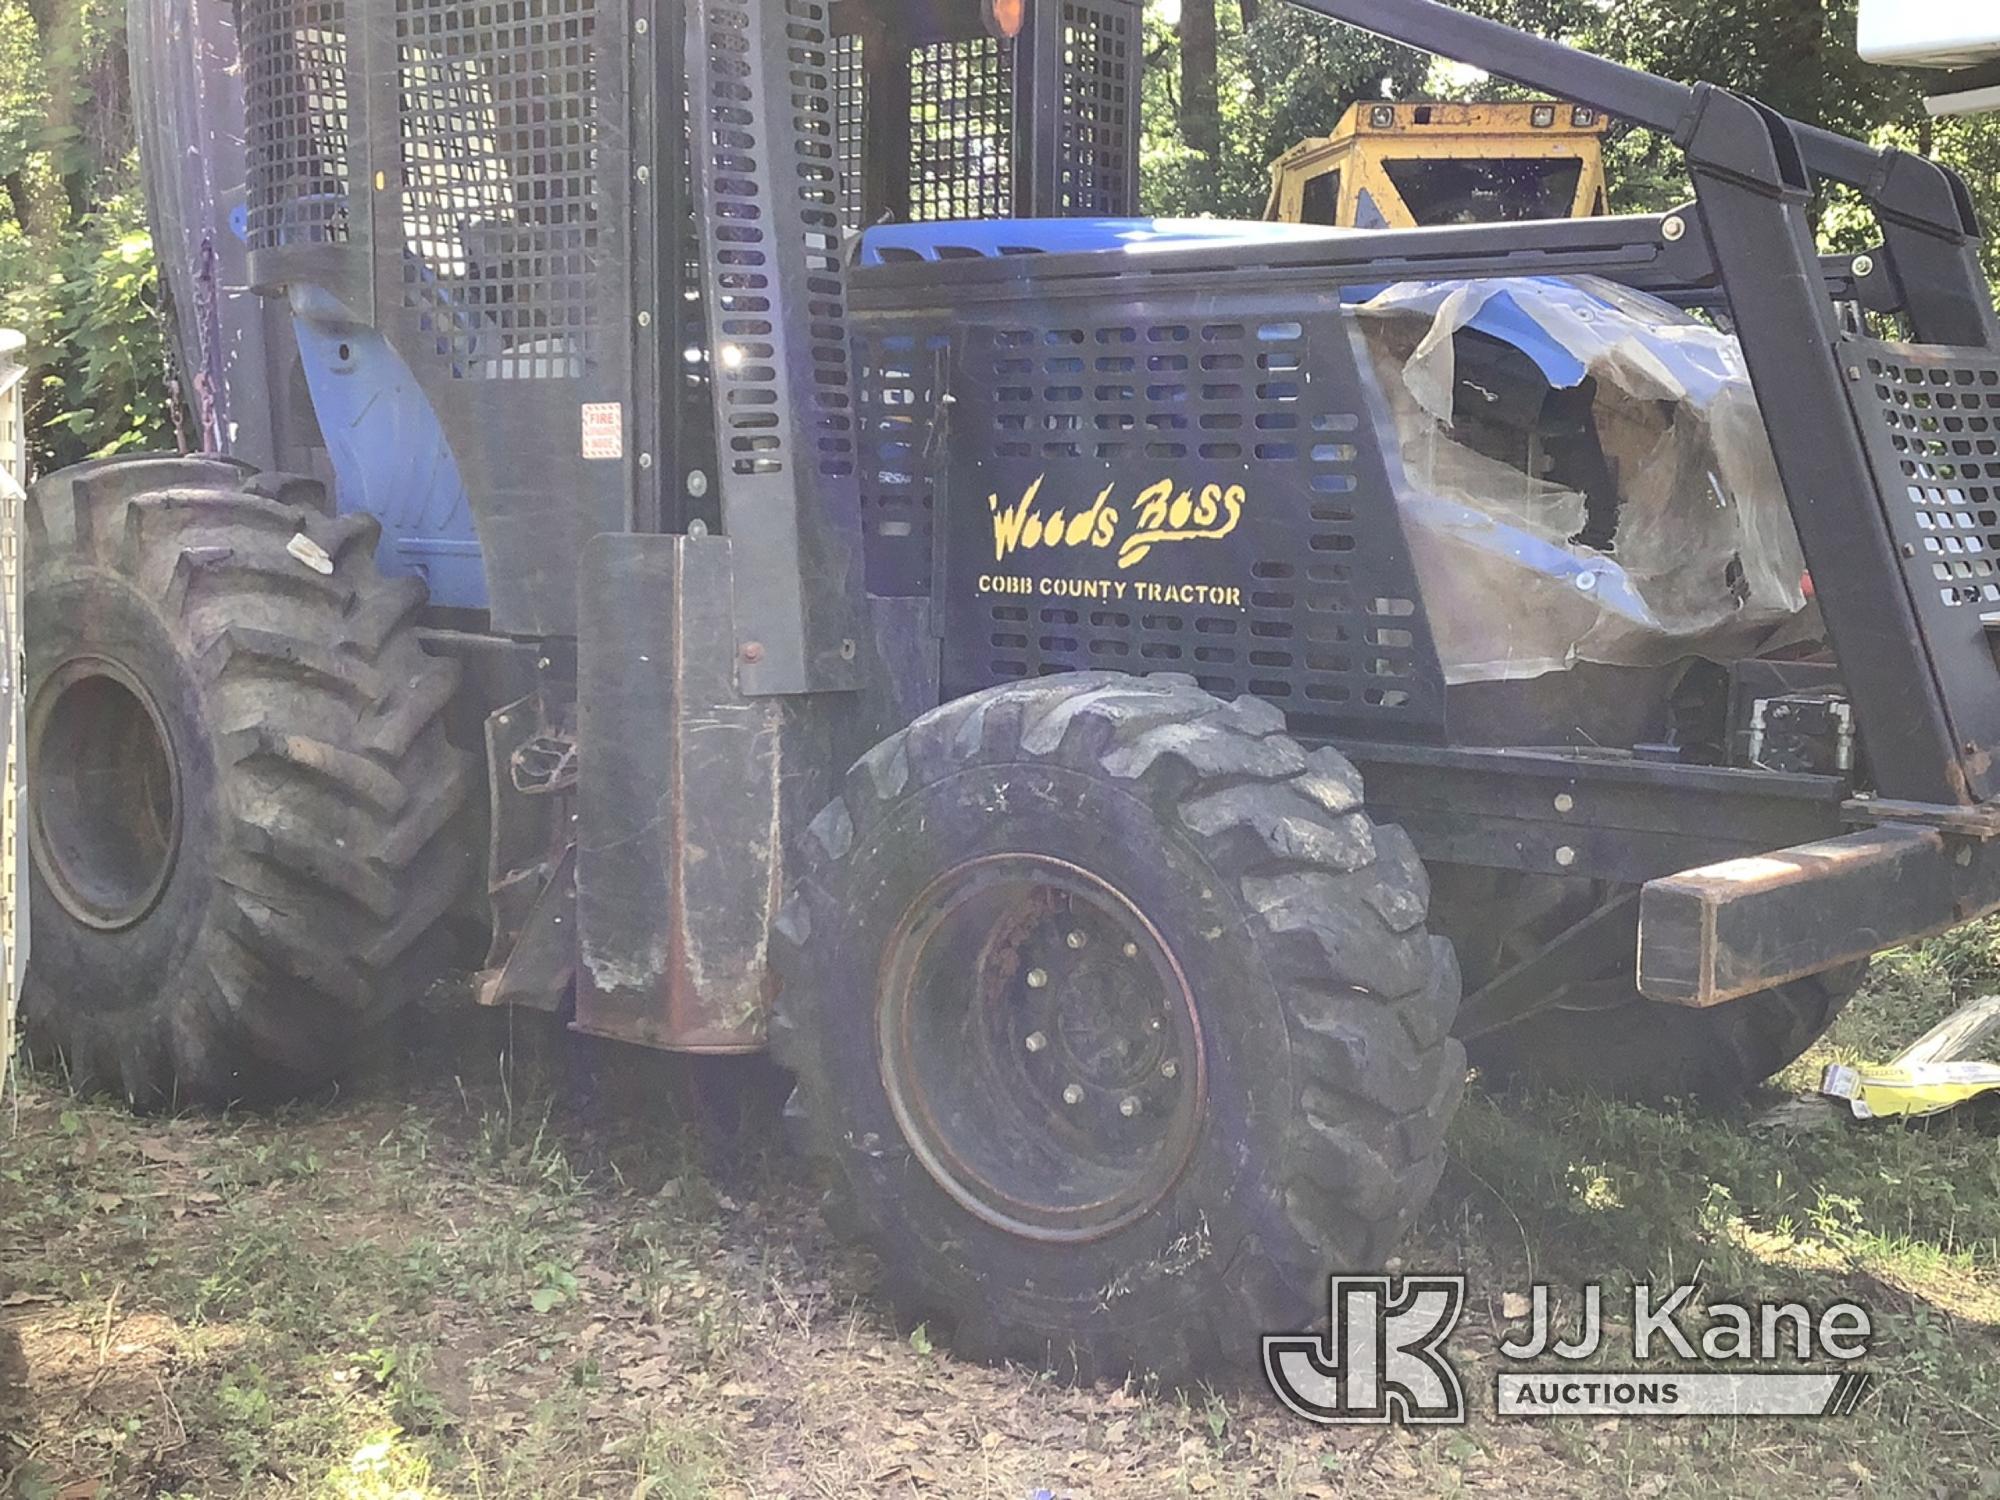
(104, 793)
(1040, 1047)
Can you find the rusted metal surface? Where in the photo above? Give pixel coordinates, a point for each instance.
(1732, 929)
(1982, 822)
(686, 790)
(526, 835)
(541, 962)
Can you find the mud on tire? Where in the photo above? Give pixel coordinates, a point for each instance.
(1049, 1194)
(241, 800)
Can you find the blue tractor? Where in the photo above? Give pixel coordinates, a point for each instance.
(720, 504)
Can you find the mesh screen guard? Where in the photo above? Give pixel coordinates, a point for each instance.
(1930, 419)
(459, 175)
(1188, 482)
(939, 119)
(295, 61)
(497, 135)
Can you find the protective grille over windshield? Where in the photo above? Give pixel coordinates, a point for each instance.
(1452, 191)
(498, 135)
(938, 117)
(961, 133)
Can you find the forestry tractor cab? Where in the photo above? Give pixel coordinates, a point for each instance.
(1406, 164)
(723, 500)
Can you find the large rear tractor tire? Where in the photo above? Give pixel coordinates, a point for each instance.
(242, 807)
(1116, 1024)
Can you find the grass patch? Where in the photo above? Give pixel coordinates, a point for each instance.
(486, 1284)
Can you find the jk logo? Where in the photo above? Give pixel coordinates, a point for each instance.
(1384, 1361)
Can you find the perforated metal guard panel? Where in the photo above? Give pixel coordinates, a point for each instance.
(741, 228)
(1094, 173)
(767, 177)
(850, 104)
(294, 56)
(1943, 421)
(1931, 419)
(1310, 597)
(898, 372)
(498, 136)
(961, 129)
(13, 715)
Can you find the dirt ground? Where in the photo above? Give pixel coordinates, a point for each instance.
(499, 1276)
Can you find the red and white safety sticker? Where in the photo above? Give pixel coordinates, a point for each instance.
(603, 430)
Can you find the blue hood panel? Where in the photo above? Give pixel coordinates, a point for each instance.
(1502, 317)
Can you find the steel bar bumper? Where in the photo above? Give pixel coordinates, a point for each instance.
(1731, 929)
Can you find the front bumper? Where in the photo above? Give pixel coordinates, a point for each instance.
(1731, 929)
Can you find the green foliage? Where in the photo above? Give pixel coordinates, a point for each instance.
(95, 338)
(76, 263)
(1972, 147)
(556, 1286)
(243, 1418)
(1286, 75)
(1799, 59)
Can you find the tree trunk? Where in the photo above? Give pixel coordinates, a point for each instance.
(1201, 109)
(38, 205)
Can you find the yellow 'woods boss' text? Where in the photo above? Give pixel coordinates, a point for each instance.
(1160, 514)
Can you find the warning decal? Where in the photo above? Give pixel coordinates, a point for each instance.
(603, 429)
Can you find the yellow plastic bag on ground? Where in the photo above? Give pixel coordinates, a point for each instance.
(1878, 1091)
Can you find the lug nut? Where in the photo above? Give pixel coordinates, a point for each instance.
(1129, 1106)
(1036, 1041)
(1131, 950)
(1073, 1094)
(1076, 940)
(1170, 1069)
(1038, 978)
(1155, 1024)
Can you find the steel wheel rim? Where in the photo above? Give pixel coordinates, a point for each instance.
(105, 817)
(1040, 1047)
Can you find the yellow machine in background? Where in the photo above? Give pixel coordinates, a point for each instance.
(1398, 166)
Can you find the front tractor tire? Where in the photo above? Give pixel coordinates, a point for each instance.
(1116, 1024)
(241, 803)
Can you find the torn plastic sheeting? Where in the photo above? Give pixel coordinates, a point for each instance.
(1602, 584)
(1497, 315)
(1692, 550)
(1571, 328)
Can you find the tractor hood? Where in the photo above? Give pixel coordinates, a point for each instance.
(1585, 473)
(1501, 315)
